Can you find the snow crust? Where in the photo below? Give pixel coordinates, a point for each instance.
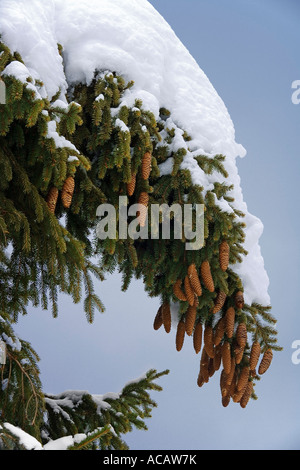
(132, 39)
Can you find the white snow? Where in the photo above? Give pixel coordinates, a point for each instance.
(132, 39)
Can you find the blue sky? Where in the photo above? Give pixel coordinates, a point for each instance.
(249, 50)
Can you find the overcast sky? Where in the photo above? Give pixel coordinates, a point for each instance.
(250, 52)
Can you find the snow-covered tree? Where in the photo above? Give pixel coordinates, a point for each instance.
(86, 136)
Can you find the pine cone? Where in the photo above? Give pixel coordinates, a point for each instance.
(254, 355)
(211, 368)
(146, 165)
(180, 335)
(237, 394)
(178, 292)
(194, 280)
(224, 255)
(266, 361)
(226, 400)
(219, 331)
(204, 365)
(143, 200)
(219, 301)
(189, 291)
(200, 380)
(223, 385)
(243, 378)
(229, 377)
(67, 192)
(131, 185)
(197, 337)
(51, 199)
(209, 341)
(217, 357)
(238, 353)
(166, 316)
(229, 321)
(246, 395)
(206, 276)
(190, 319)
(226, 357)
(158, 320)
(239, 299)
(241, 335)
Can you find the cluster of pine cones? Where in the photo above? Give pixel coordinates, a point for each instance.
(66, 195)
(225, 343)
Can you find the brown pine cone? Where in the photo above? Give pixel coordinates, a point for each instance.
(204, 365)
(243, 378)
(266, 361)
(178, 292)
(194, 279)
(232, 371)
(226, 400)
(223, 385)
(197, 337)
(229, 321)
(158, 321)
(146, 165)
(131, 185)
(219, 331)
(237, 394)
(51, 199)
(211, 368)
(180, 335)
(67, 191)
(206, 276)
(143, 200)
(224, 255)
(219, 302)
(238, 353)
(190, 319)
(226, 357)
(218, 357)
(189, 291)
(166, 316)
(200, 380)
(239, 299)
(246, 395)
(208, 338)
(241, 335)
(254, 355)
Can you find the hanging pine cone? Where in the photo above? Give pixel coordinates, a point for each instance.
(217, 357)
(223, 385)
(226, 357)
(254, 355)
(219, 301)
(239, 299)
(197, 337)
(211, 368)
(194, 279)
(200, 380)
(229, 377)
(246, 395)
(224, 255)
(238, 353)
(204, 365)
(143, 200)
(229, 321)
(146, 165)
(241, 335)
(51, 199)
(178, 292)
(206, 276)
(226, 400)
(208, 338)
(158, 320)
(219, 331)
(243, 378)
(180, 335)
(67, 191)
(237, 394)
(266, 361)
(190, 319)
(166, 316)
(189, 291)
(131, 185)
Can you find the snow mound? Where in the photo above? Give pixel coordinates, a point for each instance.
(132, 39)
